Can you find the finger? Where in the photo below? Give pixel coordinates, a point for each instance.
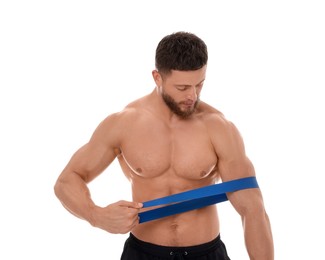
(135, 222)
(132, 213)
(131, 204)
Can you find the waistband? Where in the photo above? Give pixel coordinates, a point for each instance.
(167, 251)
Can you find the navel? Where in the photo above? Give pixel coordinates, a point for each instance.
(174, 226)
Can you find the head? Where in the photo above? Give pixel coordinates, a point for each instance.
(181, 51)
(181, 60)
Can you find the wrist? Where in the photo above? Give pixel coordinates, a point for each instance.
(92, 216)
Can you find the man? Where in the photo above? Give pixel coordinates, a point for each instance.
(168, 142)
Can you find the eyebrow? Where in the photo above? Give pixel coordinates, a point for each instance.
(186, 85)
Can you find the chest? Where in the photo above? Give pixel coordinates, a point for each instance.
(183, 151)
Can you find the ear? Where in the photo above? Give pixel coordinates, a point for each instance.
(157, 77)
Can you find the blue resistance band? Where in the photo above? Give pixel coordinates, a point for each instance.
(194, 199)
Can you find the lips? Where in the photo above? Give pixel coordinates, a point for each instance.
(188, 103)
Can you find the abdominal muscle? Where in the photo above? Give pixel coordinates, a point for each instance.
(186, 229)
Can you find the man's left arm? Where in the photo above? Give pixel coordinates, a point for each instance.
(234, 164)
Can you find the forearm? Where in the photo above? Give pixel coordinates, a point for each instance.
(74, 195)
(258, 236)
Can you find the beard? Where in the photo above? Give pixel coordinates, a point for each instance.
(176, 109)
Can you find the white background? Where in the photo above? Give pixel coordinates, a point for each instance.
(66, 65)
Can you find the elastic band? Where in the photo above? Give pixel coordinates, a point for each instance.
(194, 199)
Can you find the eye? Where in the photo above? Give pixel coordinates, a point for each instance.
(181, 88)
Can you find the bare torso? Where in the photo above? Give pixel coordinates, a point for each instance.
(162, 158)
(162, 154)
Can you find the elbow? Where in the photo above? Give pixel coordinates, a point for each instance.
(58, 187)
(258, 213)
(255, 209)
(61, 184)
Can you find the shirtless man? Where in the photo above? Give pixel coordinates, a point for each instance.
(168, 142)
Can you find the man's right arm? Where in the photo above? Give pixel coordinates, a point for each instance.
(85, 165)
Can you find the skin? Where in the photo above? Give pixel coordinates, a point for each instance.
(162, 153)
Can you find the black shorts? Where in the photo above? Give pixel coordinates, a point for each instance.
(135, 249)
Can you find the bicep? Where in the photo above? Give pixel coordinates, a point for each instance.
(233, 162)
(90, 160)
(93, 157)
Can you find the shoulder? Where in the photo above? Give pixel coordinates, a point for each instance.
(121, 120)
(215, 119)
(223, 132)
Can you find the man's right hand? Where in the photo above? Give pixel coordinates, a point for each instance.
(117, 218)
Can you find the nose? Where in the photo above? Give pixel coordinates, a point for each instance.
(192, 93)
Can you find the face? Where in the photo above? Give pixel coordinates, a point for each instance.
(181, 90)
(182, 109)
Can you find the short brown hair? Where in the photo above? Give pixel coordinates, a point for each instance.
(181, 51)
